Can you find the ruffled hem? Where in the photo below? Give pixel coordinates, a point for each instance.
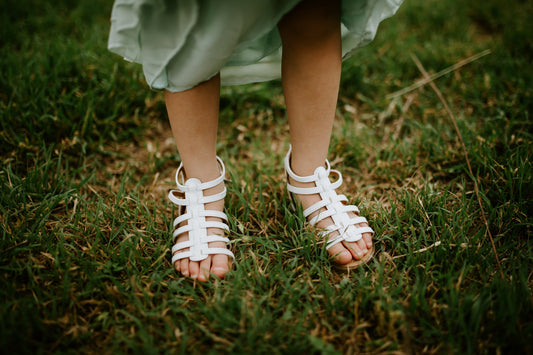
(181, 44)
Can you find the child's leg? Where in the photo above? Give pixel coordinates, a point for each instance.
(311, 67)
(193, 118)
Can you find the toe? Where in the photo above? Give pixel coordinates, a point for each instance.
(340, 254)
(184, 267)
(220, 265)
(357, 249)
(367, 237)
(362, 246)
(177, 265)
(205, 265)
(194, 269)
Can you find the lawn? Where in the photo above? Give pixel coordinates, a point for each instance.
(88, 159)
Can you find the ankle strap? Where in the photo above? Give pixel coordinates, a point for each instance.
(205, 185)
(292, 174)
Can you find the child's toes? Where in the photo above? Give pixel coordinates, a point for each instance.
(361, 243)
(220, 265)
(357, 249)
(184, 267)
(367, 237)
(194, 269)
(340, 254)
(203, 273)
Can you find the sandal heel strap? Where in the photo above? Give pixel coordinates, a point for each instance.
(294, 176)
(205, 185)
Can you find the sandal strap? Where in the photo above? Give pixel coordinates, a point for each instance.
(188, 243)
(204, 254)
(205, 213)
(353, 236)
(310, 178)
(323, 203)
(203, 186)
(203, 199)
(203, 225)
(190, 197)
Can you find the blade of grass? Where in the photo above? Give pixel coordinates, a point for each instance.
(430, 78)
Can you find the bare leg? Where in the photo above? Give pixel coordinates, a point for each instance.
(193, 118)
(311, 68)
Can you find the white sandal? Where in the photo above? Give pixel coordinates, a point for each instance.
(192, 210)
(335, 207)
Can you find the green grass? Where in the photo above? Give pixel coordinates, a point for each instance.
(87, 160)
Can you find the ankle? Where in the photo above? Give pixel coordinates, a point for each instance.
(305, 166)
(207, 176)
(304, 159)
(296, 183)
(202, 169)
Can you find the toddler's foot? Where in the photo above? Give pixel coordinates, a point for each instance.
(348, 236)
(200, 247)
(343, 252)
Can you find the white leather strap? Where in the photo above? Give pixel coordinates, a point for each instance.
(189, 243)
(206, 213)
(204, 253)
(295, 177)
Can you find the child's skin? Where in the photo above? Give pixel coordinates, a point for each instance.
(311, 68)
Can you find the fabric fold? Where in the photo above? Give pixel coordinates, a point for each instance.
(183, 43)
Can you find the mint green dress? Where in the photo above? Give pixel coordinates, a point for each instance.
(181, 43)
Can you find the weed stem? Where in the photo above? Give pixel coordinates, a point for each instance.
(463, 146)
